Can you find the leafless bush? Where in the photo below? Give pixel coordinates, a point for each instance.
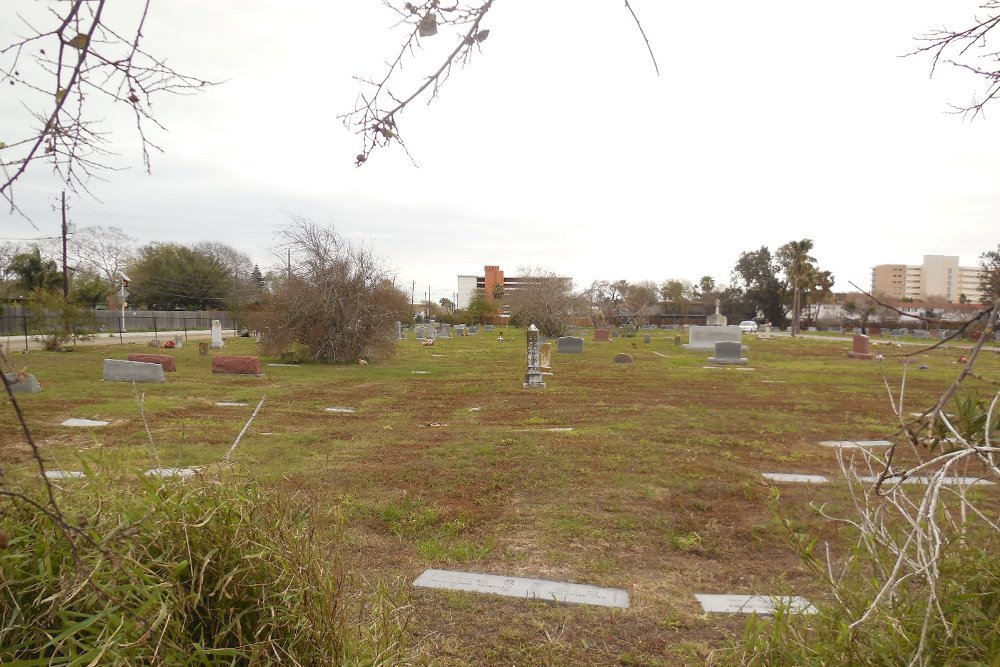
(338, 302)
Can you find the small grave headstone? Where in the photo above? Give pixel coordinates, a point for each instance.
(677, 340)
(399, 330)
(165, 360)
(216, 335)
(728, 354)
(23, 384)
(182, 473)
(153, 343)
(862, 348)
(545, 356)
(488, 327)
(178, 342)
(236, 365)
(65, 474)
(473, 330)
(202, 348)
(520, 587)
(647, 339)
(622, 358)
(569, 345)
(602, 335)
(117, 370)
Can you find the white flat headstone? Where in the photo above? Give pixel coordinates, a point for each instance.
(520, 587)
(659, 354)
(951, 481)
(560, 429)
(338, 408)
(753, 604)
(420, 372)
(285, 365)
(774, 381)
(83, 422)
(64, 474)
(474, 409)
(230, 404)
(793, 477)
(183, 473)
(855, 444)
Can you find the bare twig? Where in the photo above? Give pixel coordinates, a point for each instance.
(236, 442)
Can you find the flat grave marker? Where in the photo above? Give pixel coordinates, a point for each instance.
(83, 422)
(855, 444)
(951, 481)
(230, 404)
(520, 587)
(794, 477)
(753, 604)
(65, 474)
(183, 473)
(340, 408)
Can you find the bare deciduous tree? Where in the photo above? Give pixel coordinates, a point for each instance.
(542, 298)
(338, 301)
(101, 251)
(376, 114)
(75, 54)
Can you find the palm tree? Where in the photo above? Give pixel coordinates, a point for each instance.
(33, 272)
(798, 265)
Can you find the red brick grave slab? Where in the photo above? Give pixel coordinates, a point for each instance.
(165, 360)
(237, 365)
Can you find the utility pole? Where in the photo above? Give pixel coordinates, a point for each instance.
(289, 263)
(64, 234)
(413, 296)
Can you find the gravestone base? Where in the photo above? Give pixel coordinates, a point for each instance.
(860, 355)
(742, 361)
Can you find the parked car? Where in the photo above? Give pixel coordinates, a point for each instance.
(748, 326)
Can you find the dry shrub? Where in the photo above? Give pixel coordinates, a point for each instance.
(338, 301)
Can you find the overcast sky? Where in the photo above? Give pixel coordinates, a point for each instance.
(559, 146)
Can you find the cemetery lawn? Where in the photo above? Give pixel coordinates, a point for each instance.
(656, 488)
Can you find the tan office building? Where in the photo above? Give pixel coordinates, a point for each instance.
(940, 276)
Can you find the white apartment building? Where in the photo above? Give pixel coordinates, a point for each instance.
(940, 276)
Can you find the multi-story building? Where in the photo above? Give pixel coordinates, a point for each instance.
(493, 283)
(939, 277)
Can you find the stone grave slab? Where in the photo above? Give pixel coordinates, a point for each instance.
(705, 338)
(83, 422)
(285, 365)
(420, 372)
(569, 345)
(182, 473)
(340, 408)
(476, 409)
(65, 474)
(236, 365)
(117, 370)
(753, 604)
(165, 360)
(28, 384)
(602, 335)
(230, 404)
(622, 358)
(794, 478)
(855, 444)
(950, 481)
(659, 354)
(520, 587)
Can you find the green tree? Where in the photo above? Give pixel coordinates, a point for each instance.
(989, 280)
(706, 287)
(756, 274)
(31, 271)
(168, 276)
(479, 307)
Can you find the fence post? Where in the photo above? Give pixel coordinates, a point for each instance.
(185, 330)
(156, 334)
(24, 320)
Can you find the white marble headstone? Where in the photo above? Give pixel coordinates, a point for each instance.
(339, 408)
(183, 473)
(64, 474)
(216, 335)
(230, 404)
(520, 587)
(753, 604)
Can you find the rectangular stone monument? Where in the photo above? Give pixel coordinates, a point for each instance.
(473, 330)
(705, 338)
(728, 354)
(569, 345)
(874, 331)
(178, 342)
(520, 587)
(445, 331)
(399, 330)
(488, 327)
(717, 319)
(236, 365)
(165, 360)
(862, 348)
(27, 384)
(602, 335)
(647, 339)
(116, 370)
(216, 335)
